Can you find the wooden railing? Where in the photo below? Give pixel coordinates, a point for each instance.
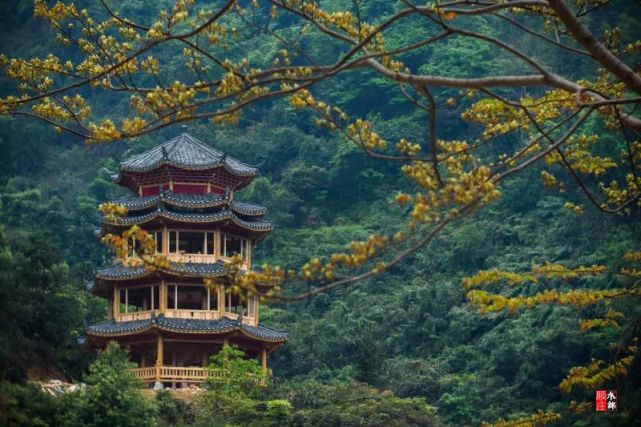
(144, 374)
(171, 373)
(183, 314)
(192, 314)
(179, 314)
(196, 258)
(202, 259)
(134, 315)
(184, 374)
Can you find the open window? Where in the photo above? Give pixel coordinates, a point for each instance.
(213, 299)
(142, 298)
(234, 305)
(158, 240)
(210, 243)
(173, 242)
(191, 297)
(233, 245)
(191, 242)
(133, 247)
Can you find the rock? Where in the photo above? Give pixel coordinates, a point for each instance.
(56, 387)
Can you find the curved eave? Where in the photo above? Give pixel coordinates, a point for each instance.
(249, 172)
(110, 328)
(131, 179)
(193, 218)
(186, 152)
(204, 201)
(248, 208)
(140, 203)
(120, 272)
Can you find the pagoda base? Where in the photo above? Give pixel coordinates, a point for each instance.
(179, 358)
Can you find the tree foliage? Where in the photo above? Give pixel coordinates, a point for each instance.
(123, 55)
(112, 395)
(41, 309)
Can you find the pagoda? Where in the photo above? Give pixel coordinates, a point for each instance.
(170, 321)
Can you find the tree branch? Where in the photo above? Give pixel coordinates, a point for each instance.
(602, 54)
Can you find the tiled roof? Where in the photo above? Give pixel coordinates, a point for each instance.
(186, 152)
(175, 199)
(248, 208)
(191, 201)
(120, 271)
(223, 325)
(198, 218)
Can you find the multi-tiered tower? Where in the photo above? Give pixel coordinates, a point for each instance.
(170, 321)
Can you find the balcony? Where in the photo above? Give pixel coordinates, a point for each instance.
(176, 314)
(183, 314)
(180, 374)
(181, 301)
(171, 374)
(195, 258)
(202, 259)
(135, 315)
(193, 314)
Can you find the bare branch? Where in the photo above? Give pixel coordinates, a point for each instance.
(602, 54)
(431, 123)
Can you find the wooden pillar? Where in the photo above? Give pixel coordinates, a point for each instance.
(116, 306)
(163, 296)
(173, 363)
(217, 243)
(221, 301)
(249, 254)
(110, 308)
(165, 241)
(263, 357)
(256, 310)
(159, 356)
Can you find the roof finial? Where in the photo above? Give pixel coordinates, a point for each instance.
(184, 128)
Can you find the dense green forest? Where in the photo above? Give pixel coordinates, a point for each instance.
(401, 348)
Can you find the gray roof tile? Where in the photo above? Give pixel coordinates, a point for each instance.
(186, 152)
(191, 217)
(111, 327)
(191, 201)
(120, 271)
